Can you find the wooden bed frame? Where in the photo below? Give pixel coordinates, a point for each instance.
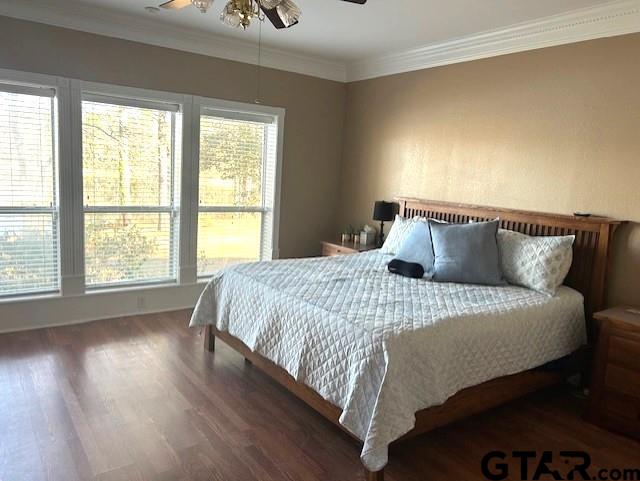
(588, 275)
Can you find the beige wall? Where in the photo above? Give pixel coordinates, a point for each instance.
(314, 117)
(554, 130)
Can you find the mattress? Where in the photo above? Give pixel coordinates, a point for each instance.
(381, 346)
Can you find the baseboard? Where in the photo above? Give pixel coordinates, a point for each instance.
(50, 311)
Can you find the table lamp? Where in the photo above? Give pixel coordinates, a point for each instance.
(383, 212)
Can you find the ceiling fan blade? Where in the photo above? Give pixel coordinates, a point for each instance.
(273, 17)
(285, 15)
(359, 2)
(175, 4)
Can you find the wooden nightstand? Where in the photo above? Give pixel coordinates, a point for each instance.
(614, 401)
(337, 248)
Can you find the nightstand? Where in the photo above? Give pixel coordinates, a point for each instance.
(614, 401)
(337, 248)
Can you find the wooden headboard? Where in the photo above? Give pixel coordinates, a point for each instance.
(591, 250)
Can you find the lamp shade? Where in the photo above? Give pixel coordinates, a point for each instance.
(383, 211)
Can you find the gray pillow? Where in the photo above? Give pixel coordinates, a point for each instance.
(466, 253)
(415, 249)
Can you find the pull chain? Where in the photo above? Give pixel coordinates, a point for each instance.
(258, 68)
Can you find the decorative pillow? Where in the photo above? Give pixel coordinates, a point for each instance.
(415, 255)
(540, 263)
(399, 230)
(466, 253)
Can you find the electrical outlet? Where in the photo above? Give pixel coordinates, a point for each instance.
(141, 302)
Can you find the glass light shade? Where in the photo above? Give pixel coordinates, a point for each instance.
(230, 16)
(270, 4)
(202, 5)
(289, 12)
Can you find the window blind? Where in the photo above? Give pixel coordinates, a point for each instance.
(236, 189)
(129, 172)
(29, 254)
(270, 167)
(121, 226)
(130, 102)
(254, 117)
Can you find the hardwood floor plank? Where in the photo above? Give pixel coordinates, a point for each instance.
(58, 461)
(139, 399)
(80, 460)
(97, 463)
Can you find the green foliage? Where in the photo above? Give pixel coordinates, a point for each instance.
(17, 271)
(119, 249)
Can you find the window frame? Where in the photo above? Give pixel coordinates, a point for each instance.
(70, 196)
(137, 98)
(240, 111)
(23, 83)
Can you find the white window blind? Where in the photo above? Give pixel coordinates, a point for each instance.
(130, 168)
(29, 253)
(237, 168)
(91, 179)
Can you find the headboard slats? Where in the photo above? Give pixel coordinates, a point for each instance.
(591, 249)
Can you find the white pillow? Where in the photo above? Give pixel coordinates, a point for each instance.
(540, 263)
(399, 230)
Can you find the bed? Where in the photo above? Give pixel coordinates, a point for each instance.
(387, 357)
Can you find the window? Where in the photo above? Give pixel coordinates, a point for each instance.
(105, 186)
(129, 173)
(29, 254)
(236, 188)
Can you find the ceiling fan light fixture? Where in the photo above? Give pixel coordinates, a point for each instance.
(288, 12)
(230, 15)
(202, 5)
(239, 13)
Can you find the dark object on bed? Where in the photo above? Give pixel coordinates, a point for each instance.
(587, 275)
(406, 269)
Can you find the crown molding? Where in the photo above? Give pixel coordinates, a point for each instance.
(610, 19)
(104, 22)
(606, 20)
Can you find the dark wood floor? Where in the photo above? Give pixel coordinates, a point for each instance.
(138, 399)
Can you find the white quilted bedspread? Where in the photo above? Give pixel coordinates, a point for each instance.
(381, 346)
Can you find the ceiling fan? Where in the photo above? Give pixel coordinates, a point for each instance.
(238, 13)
